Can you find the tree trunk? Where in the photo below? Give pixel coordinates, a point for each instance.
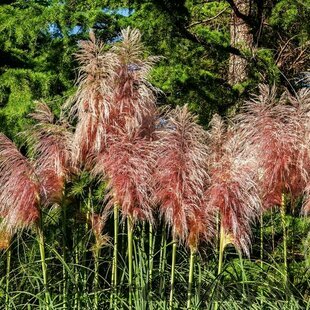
(241, 38)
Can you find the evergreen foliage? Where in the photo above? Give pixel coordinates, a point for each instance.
(38, 40)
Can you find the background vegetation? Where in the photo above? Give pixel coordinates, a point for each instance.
(38, 40)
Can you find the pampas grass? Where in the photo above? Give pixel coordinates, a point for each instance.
(160, 173)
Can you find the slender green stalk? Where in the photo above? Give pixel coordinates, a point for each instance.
(217, 232)
(130, 257)
(87, 210)
(172, 276)
(8, 271)
(244, 277)
(283, 220)
(261, 253)
(123, 240)
(43, 262)
(115, 245)
(221, 255)
(221, 250)
(79, 248)
(293, 227)
(261, 240)
(113, 299)
(151, 257)
(96, 275)
(190, 276)
(124, 248)
(162, 260)
(272, 231)
(199, 280)
(140, 268)
(64, 251)
(76, 271)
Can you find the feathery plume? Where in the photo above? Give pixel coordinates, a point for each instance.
(276, 136)
(112, 87)
(232, 188)
(128, 164)
(133, 95)
(42, 114)
(91, 104)
(51, 144)
(180, 176)
(19, 194)
(301, 102)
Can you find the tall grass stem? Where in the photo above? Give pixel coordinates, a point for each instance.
(64, 253)
(172, 275)
(221, 250)
(283, 221)
(261, 240)
(8, 271)
(41, 241)
(162, 260)
(130, 257)
(96, 275)
(221, 255)
(113, 299)
(190, 276)
(151, 256)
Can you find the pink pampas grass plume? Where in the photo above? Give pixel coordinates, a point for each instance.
(232, 189)
(51, 144)
(301, 102)
(180, 177)
(127, 164)
(92, 105)
(276, 134)
(19, 188)
(133, 95)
